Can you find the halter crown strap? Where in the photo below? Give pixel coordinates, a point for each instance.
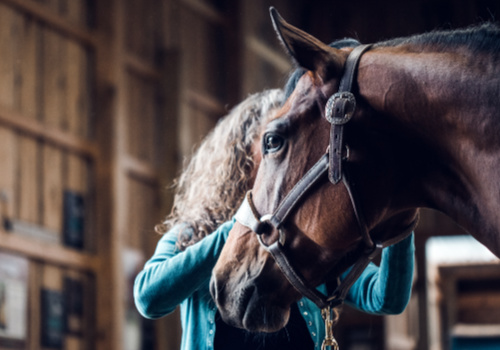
(339, 110)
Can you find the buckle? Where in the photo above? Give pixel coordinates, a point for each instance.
(340, 108)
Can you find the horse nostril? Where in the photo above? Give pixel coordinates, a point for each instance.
(215, 291)
(213, 288)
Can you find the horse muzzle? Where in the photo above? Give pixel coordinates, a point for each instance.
(249, 289)
(244, 307)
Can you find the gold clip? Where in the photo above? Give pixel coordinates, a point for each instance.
(329, 340)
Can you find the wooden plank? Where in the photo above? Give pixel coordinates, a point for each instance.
(77, 11)
(143, 68)
(134, 29)
(26, 51)
(142, 30)
(28, 190)
(193, 34)
(7, 36)
(77, 174)
(55, 21)
(109, 131)
(132, 236)
(34, 305)
(72, 342)
(48, 134)
(53, 79)
(150, 137)
(52, 188)
(268, 54)
(144, 125)
(77, 180)
(142, 170)
(206, 11)
(133, 118)
(150, 218)
(7, 172)
(78, 97)
(52, 277)
(50, 253)
(141, 113)
(150, 35)
(141, 215)
(206, 103)
(476, 330)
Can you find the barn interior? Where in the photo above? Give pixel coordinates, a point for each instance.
(100, 103)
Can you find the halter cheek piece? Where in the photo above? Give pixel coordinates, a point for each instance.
(339, 110)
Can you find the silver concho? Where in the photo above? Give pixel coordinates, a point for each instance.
(333, 102)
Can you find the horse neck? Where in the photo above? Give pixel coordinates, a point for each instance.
(453, 117)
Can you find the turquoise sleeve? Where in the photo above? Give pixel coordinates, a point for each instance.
(386, 289)
(171, 275)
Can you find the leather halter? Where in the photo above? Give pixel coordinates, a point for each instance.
(339, 110)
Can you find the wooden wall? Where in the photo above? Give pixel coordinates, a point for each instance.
(47, 159)
(82, 114)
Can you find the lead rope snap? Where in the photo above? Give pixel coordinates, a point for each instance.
(329, 340)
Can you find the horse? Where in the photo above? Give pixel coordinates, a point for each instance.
(368, 137)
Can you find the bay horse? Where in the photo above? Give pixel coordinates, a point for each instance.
(368, 136)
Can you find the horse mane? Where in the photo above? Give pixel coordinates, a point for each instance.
(483, 38)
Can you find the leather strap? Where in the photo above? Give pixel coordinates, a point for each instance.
(314, 175)
(248, 216)
(295, 277)
(339, 110)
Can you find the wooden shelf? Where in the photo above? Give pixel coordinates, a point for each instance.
(476, 330)
(49, 253)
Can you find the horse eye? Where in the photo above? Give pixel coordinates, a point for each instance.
(272, 143)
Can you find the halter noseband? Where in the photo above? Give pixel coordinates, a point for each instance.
(339, 110)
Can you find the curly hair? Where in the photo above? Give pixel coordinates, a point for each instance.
(214, 180)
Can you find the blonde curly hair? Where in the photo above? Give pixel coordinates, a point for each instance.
(215, 179)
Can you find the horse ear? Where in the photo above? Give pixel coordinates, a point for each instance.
(310, 53)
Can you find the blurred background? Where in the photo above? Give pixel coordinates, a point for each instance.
(100, 102)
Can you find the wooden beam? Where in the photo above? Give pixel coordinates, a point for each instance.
(109, 312)
(205, 102)
(48, 134)
(49, 253)
(140, 169)
(206, 11)
(268, 54)
(53, 20)
(142, 68)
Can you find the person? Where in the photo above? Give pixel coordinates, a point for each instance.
(208, 193)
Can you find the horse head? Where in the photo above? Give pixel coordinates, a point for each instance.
(385, 161)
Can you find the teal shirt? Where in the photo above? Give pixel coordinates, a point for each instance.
(173, 277)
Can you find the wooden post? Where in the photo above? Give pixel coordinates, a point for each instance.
(110, 181)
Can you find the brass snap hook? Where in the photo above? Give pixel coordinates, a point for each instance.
(329, 340)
